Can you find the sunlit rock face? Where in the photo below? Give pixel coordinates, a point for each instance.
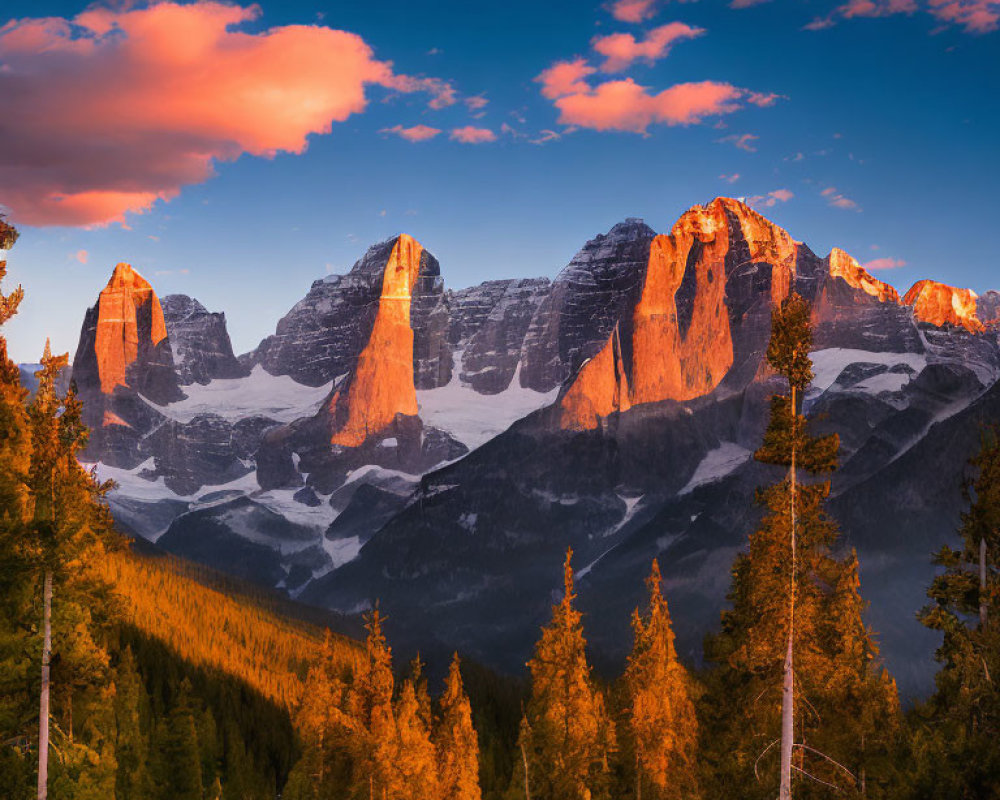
(322, 336)
(124, 341)
(200, 341)
(940, 304)
(381, 384)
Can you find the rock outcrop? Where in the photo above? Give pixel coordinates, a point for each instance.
(200, 341)
(124, 342)
(939, 304)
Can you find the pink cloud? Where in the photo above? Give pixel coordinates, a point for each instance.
(472, 135)
(838, 200)
(624, 105)
(620, 50)
(976, 16)
(730, 178)
(565, 78)
(418, 133)
(633, 10)
(82, 256)
(476, 102)
(119, 108)
(743, 141)
(747, 3)
(771, 199)
(884, 263)
(876, 8)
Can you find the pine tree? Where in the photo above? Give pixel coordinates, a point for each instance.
(570, 736)
(414, 773)
(130, 743)
(793, 648)
(180, 757)
(370, 705)
(457, 742)
(962, 719)
(660, 730)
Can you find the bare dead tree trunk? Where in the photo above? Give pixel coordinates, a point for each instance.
(788, 683)
(43, 711)
(982, 582)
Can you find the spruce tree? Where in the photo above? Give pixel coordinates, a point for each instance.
(414, 773)
(660, 731)
(960, 725)
(456, 740)
(370, 706)
(568, 737)
(796, 666)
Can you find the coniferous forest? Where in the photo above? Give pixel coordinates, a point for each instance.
(133, 676)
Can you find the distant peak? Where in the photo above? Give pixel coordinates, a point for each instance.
(630, 229)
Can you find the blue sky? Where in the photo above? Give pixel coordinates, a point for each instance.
(894, 110)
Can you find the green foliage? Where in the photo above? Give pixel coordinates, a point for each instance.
(956, 731)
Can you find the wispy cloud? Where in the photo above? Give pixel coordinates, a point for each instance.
(771, 199)
(82, 256)
(472, 135)
(972, 16)
(884, 263)
(838, 200)
(743, 141)
(418, 133)
(730, 178)
(633, 10)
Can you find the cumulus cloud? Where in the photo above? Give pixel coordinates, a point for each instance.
(116, 108)
(633, 10)
(620, 50)
(884, 263)
(771, 199)
(472, 135)
(418, 133)
(624, 105)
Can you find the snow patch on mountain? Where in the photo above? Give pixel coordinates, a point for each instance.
(473, 418)
(716, 465)
(277, 397)
(829, 363)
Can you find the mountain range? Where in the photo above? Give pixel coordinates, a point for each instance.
(436, 450)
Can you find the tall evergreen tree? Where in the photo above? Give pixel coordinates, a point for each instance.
(370, 705)
(414, 772)
(660, 731)
(456, 740)
(568, 736)
(793, 648)
(960, 726)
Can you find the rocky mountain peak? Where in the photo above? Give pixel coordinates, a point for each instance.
(200, 341)
(939, 304)
(124, 332)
